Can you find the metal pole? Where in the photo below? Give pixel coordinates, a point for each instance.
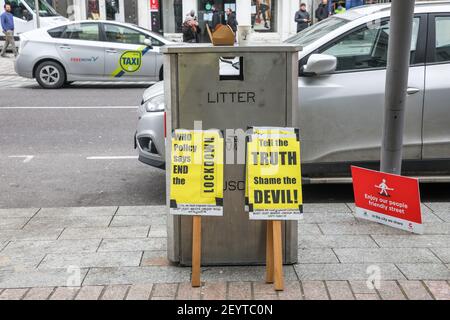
(402, 15)
(36, 8)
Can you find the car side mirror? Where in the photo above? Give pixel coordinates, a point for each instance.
(148, 42)
(319, 64)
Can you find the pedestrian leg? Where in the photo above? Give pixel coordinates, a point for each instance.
(5, 45)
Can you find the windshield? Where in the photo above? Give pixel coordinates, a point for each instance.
(317, 31)
(45, 10)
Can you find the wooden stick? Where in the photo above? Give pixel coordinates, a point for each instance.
(196, 250)
(278, 256)
(269, 252)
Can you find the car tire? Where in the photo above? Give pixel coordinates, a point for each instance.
(50, 75)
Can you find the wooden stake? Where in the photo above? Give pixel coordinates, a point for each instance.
(196, 250)
(278, 256)
(269, 252)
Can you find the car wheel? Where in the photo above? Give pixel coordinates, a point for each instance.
(50, 75)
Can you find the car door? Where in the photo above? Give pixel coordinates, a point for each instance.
(127, 57)
(436, 117)
(341, 114)
(81, 51)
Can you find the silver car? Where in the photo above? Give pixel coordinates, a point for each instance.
(90, 51)
(341, 95)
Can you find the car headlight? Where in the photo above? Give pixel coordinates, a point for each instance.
(155, 104)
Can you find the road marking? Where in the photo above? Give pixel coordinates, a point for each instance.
(80, 107)
(26, 160)
(112, 158)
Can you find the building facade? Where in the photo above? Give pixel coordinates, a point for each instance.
(271, 20)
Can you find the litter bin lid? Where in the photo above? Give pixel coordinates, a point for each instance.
(208, 47)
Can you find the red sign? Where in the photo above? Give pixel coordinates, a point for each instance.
(154, 5)
(388, 199)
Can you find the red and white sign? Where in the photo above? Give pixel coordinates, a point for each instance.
(154, 5)
(386, 198)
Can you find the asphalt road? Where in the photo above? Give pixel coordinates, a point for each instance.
(50, 141)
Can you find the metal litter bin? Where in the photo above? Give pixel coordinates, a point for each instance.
(229, 88)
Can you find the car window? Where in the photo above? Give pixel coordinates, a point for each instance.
(317, 31)
(119, 34)
(57, 32)
(19, 10)
(367, 47)
(442, 53)
(82, 31)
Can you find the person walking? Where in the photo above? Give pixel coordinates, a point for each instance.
(302, 18)
(231, 20)
(7, 21)
(190, 30)
(322, 11)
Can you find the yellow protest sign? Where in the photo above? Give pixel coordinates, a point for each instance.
(273, 174)
(196, 177)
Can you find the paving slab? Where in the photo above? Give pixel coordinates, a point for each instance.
(168, 290)
(437, 228)
(18, 260)
(139, 292)
(18, 213)
(92, 260)
(39, 293)
(412, 241)
(142, 211)
(385, 255)
(238, 290)
(186, 292)
(442, 253)
(41, 233)
(105, 233)
(325, 207)
(439, 207)
(155, 258)
(358, 228)
(136, 275)
(439, 289)
(390, 290)
(318, 255)
(253, 273)
(214, 291)
(362, 287)
(12, 223)
(158, 231)
(327, 217)
(130, 221)
(425, 271)
(13, 294)
(315, 290)
(292, 291)
(64, 293)
(89, 293)
(308, 229)
(415, 290)
(37, 278)
(344, 271)
(77, 212)
(336, 241)
(70, 221)
(53, 246)
(339, 290)
(137, 244)
(115, 292)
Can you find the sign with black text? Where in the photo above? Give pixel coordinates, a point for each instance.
(273, 174)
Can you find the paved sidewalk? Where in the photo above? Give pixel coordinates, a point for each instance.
(119, 252)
